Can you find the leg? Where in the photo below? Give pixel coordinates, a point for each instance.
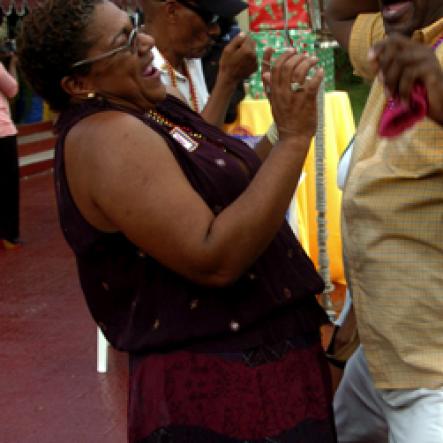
(414, 415)
(9, 189)
(357, 405)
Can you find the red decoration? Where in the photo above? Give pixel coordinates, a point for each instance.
(269, 14)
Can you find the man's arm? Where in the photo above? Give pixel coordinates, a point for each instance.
(238, 62)
(341, 14)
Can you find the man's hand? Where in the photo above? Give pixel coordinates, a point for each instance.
(238, 60)
(401, 63)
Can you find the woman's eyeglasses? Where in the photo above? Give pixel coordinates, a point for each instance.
(131, 44)
(208, 17)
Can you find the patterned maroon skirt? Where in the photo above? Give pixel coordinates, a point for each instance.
(278, 393)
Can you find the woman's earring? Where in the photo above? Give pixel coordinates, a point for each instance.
(91, 95)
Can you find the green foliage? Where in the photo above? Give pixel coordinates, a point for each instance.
(345, 80)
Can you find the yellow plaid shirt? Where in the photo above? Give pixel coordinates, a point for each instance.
(392, 227)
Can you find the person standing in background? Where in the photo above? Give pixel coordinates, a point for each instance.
(229, 29)
(184, 32)
(9, 171)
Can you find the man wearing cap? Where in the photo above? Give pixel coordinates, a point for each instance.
(184, 30)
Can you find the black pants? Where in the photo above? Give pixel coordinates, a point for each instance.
(9, 188)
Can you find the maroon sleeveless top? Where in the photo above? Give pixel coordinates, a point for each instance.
(143, 306)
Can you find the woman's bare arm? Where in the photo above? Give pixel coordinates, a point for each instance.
(128, 180)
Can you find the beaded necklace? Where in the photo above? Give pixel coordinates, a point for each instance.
(187, 74)
(182, 134)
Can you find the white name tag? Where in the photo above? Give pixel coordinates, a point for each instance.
(184, 139)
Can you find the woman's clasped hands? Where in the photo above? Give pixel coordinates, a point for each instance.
(292, 84)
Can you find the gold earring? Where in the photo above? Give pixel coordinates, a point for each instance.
(91, 95)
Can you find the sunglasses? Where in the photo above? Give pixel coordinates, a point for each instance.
(130, 45)
(208, 17)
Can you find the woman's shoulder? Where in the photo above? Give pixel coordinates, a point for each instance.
(104, 140)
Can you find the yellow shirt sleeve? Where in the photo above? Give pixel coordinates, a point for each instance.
(368, 29)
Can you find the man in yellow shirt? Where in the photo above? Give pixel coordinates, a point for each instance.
(392, 219)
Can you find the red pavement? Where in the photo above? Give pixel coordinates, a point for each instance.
(50, 391)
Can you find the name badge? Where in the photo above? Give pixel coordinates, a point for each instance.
(184, 139)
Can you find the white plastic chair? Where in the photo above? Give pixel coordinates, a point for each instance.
(102, 352)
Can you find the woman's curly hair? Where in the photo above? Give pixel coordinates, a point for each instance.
(53, 37)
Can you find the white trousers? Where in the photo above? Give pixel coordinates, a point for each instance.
(364, 414)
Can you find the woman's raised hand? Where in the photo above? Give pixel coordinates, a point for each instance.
(292, 92)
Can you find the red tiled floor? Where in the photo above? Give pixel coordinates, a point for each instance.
(50, 391)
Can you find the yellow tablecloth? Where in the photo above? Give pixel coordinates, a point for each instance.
(255, 117)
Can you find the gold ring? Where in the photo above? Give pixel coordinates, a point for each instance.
(296, 87)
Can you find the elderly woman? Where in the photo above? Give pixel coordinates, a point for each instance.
(183, 252)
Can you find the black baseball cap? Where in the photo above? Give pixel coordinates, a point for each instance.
(223, 8)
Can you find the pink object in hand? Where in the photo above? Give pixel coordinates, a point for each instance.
(398, 116)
